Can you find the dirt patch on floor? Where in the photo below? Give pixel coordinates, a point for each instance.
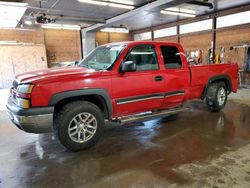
(231, 169)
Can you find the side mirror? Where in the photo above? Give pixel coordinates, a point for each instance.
(128, 66)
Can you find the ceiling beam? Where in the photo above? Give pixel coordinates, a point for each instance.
(202, 3)
(76, 18)
(150, 7)
(210, 15)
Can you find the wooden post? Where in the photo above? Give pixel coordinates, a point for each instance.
(178, 34)
(152, 34)
(214, 26)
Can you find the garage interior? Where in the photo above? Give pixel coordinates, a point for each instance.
(192, 149)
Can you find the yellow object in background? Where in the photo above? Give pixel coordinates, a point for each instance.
(217, 59)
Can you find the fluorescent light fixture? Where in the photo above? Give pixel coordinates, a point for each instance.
(182, 10)
(121, 6)
(121, 1)
(13, 4)
(11, 14)
(61, 26)
(115, 30)
(178, 13)
(94, 2)
(118, 4)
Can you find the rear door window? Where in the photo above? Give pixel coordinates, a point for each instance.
(171, 56)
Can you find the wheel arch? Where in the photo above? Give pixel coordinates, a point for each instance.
(220, 78)
(99, 97)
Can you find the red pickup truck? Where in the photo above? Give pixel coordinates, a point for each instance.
(115, 82)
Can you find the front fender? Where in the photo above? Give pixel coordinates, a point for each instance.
(83, 92)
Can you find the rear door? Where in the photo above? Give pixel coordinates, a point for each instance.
(142, 90)
(176, 75)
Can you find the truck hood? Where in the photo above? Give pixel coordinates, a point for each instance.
(34, 76)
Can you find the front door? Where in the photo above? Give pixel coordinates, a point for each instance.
(142, 90)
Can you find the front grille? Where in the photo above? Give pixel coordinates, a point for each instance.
(15, 84)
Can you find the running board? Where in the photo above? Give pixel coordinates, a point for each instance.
(146, 116)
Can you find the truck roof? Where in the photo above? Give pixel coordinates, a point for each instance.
(144, 42)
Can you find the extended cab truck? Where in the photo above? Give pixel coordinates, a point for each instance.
(115, 82)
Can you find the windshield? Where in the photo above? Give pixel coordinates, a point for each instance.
(102, 58)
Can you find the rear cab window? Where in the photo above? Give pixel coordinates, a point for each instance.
(171, 57)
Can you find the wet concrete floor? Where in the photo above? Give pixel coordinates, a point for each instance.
(194, 149)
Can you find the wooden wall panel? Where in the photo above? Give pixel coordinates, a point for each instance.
(16, 59)
(119, 37)
(167, 39)
(105, 37)
(197, 41)
(20, 35)
(62, 45)
(233, 37)
(101, 38)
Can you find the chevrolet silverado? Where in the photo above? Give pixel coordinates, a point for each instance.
(123, 82)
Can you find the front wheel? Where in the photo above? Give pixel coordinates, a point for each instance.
(216, 98)
(79, 125)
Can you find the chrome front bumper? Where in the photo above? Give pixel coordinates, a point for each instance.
(32, 120)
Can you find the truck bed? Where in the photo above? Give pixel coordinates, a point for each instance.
(201, 74)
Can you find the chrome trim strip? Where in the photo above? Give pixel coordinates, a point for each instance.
(149, 97)
(176, 94)
(141, 99)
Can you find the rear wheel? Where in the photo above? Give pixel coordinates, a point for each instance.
(79, 125)
(216, 98)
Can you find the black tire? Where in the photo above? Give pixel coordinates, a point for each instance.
(212, 101)
(65, 118)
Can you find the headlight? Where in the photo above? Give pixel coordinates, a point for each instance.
(23, 95)
(25, 88)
